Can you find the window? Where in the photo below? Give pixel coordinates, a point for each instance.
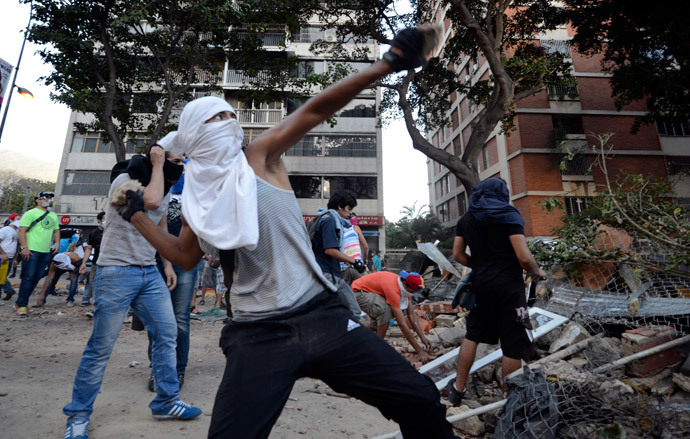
(315, 187)
(306, 186)
(363, 188)
(306, 68)
(93, 142)
(309, 34)
(86, 183)
(575, 205)
(568, 124)
(665, 128)
(307, 147)
(443, 212)
(358, 108)
(350, 146)
(137, 144)
(250, 134)
(485, 157)
(678, 164)
(462, 204)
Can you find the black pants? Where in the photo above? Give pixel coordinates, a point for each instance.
(265, 358)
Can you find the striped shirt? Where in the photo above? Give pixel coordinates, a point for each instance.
(351, 246)
(281, 273)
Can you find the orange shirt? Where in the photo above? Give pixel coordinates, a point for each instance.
(383, 283)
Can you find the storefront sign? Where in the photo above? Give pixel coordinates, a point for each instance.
(79, 220)
(363, 220)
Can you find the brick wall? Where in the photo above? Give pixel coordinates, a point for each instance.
(539, 100)
(542, 173)
(595, 94)
(645, 165)
(583, 63)
(647, 138)
(493, 151)
(536, 130)
(517, 175)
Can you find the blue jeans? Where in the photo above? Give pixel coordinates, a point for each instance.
(72, 286)
(7, 286)
(181, 297)
(119, 287)
(32, 271)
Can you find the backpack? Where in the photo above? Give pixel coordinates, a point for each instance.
(312, 225)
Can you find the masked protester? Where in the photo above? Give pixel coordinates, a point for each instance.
(127, 276)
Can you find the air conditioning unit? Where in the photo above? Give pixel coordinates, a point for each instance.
(467, 79)
(475, 68)
(330, 38)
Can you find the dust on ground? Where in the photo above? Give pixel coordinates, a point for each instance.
(39, 355)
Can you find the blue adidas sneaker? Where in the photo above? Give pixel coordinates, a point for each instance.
(77, 430)
(178, 410)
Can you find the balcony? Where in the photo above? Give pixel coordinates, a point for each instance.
(239, 77)
(259, 117)
(561, 93)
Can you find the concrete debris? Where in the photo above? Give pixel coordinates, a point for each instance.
(602, 351)
(682, 381)
(646, 384)
(564, 371)
(472, 425)
(663, 388)
(571, 334)
(486, 373)
(452, 336)
(613, 391)
(445, 320)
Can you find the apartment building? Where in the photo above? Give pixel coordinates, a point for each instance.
(549, 124)
(344, 155)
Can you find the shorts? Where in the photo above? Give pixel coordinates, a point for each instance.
(501, 314)
(375, 306)
(208, 278)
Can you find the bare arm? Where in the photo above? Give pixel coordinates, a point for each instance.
(22, 241)
(56, 239)
(170, 276)
(402, 322)
(525, 257)
(183, 251)
(153, 192)
(339, 256)
(87, 255)
(459, 251)
(414, 321)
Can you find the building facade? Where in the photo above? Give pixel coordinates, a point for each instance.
(548, 125)
(341, 155)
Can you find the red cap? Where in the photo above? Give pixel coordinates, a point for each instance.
(13, 216)
(414, 280)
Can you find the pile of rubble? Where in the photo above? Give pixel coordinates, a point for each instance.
(608, 384)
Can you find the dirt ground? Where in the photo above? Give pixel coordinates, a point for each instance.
(39, 355)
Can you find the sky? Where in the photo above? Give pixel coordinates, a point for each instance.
(35, 129)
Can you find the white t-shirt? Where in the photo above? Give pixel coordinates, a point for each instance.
(8, 240)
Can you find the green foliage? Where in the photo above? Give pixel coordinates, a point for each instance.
(639, 205)
(14, 187)
(644, 48)
(418, 225)
(131, 63)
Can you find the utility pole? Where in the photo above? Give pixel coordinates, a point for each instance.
(25, 207)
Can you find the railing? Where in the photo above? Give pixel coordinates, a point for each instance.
(556, 46)
(562, 92)
(240, 77)
(263, 117)
(202, 77)
(268, 39)
(578, 165)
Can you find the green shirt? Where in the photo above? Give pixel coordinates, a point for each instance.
(40, 237)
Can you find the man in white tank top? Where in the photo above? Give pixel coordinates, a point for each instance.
(287, 322)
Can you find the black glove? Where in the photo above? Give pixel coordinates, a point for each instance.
(135, 203)
(411, 41)
(359, 266)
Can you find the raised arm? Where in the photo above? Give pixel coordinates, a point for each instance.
(407, 51)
